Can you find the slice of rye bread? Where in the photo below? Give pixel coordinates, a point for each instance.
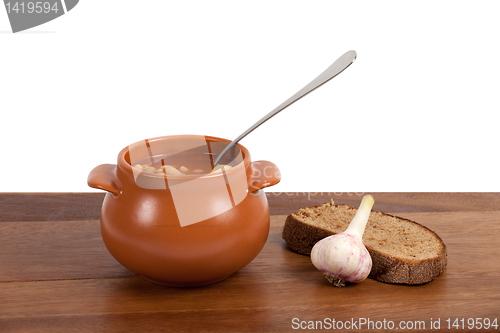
(402, 251)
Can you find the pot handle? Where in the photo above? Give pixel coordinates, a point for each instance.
(264, 174)
(103, 177)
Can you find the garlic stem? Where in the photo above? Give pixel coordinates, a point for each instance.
(358, 223)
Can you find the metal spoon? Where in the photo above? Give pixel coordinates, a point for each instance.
(335, 69)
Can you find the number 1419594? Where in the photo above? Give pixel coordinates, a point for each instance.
(31, 7)
(472, 323)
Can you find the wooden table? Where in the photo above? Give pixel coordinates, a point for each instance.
(57, 276)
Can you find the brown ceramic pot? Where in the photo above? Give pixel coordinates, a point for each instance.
(160, 232)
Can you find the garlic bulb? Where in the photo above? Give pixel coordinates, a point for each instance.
(343, 257)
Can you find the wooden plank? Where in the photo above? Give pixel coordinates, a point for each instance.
(87, 206)
(75, 250)
(50, 206)
(278, 286)
(55, 250)
(231, 306)
(286, 203)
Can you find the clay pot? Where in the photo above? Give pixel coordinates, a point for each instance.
(184, 231)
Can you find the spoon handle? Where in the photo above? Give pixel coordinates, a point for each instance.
(335, 69)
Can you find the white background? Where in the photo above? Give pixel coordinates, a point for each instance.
(417, 111)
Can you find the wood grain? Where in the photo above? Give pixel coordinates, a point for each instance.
(50, 206)
(87, 206)
(56, 276)
(287, 203)
(55, 250)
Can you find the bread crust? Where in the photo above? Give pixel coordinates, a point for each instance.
(301, 237)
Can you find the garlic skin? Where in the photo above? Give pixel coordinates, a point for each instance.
(343, 257)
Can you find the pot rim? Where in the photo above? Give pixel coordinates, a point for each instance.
(122, 162)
